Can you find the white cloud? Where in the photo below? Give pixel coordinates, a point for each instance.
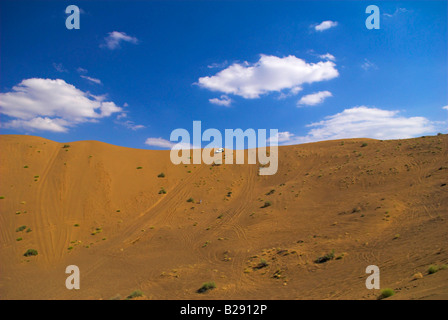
(39, 123)
(121, 116)
(445, 107)
(365, 122)
(53, 105)
(327, 56)
(97, 81)
(115, 38)
(397, 11)
(81, 70)
(130, 124)
(163, 143)
(314, 98)
(218, 65)
(281, 137)
(366, 65)
(222, 101)
(324, 25)
(291, 92)
(269, 74)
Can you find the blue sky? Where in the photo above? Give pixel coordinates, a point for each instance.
(135, 71)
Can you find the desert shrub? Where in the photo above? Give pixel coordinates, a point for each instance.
(325, 258)
(207, 286)
(433, 269)
(386, 293)
(270, 192)
(161, 175)
(19, 239)
(135, 294)
(364, 144)
(267, 204)
(66, 146)
(139, 168)
(2, 197)
(190, 200)
(263, 264)
(30, 252)
(162, 191)
(21, 228)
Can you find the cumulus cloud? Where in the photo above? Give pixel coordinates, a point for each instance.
(97, 81)
(324, 25)
(314, 98)
(53, 105)
(39, 123)
(269, 74)
(115, 38)
(445, 107)
(222, 101)
(364, 122)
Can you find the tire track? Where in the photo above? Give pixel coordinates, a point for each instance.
(42, 219)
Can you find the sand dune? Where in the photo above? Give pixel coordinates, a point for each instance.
(99, 207)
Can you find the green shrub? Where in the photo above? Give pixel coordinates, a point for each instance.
(162, 175)
(139, 167)
(66, 146)
(386, 293)
(433, 269)
(325, 258)
(263, 264)
(162, 191)
(207, 286)
(135, 294)
(19, 239)
(30, 252)
(2, 197)
(20, 228)
(190, 200)
(364, 144)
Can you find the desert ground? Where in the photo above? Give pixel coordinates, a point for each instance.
(101, 207)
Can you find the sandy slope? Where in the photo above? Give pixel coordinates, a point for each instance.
(383, 204)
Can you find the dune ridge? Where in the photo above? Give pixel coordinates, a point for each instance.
(102, 208)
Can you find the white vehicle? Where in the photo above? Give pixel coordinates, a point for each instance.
(219, 150)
